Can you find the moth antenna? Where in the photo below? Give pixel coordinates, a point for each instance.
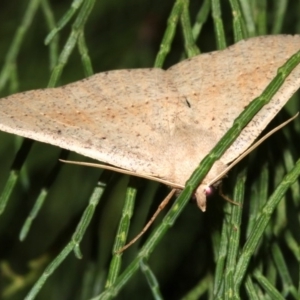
(222, 174)
(123, 171)
(161, 206)
(127, 172)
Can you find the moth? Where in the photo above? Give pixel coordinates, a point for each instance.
(158, 123)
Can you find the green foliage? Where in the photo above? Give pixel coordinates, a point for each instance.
(49, 210)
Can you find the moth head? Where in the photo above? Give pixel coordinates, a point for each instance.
(204, 191)
(201, 193)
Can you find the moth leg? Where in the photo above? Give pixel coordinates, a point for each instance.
(226, 198)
